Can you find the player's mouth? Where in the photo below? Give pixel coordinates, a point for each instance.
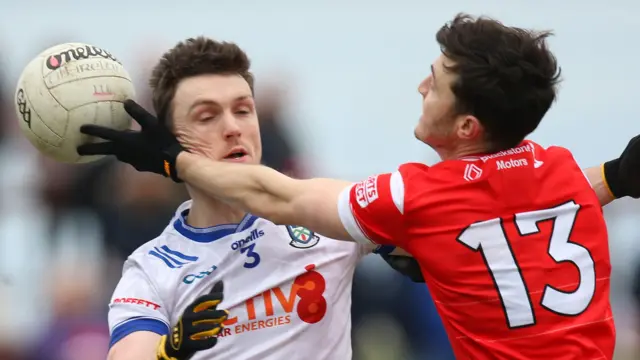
(237, 154)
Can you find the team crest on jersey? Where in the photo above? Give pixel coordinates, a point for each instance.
(301, 237)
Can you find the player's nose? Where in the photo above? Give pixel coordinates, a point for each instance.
(423, 88)
(231, 127)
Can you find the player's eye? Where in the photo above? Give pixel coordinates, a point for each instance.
(243, 111)
(206, 116)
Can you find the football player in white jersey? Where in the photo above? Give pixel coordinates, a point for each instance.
(283, 298)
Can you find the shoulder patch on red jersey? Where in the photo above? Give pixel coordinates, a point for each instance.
(367, 191)
(372, 210)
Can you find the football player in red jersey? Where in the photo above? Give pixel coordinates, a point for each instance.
(509, 235)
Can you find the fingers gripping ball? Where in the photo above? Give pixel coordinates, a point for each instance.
(65, 87)
(152, 149)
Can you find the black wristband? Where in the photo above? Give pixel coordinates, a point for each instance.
(170, 163)
(611, 170)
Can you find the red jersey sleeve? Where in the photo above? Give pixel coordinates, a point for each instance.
(372, 211)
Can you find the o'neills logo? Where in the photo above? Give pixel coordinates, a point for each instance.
(515, 151)
(84, 52)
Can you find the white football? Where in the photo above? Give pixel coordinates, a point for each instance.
(65, 87)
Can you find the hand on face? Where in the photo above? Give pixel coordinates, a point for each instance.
(214, 116)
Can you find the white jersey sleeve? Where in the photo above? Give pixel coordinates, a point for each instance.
(136, 304)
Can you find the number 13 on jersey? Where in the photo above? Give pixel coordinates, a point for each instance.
(489, 238)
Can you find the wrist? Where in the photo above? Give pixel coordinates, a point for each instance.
(612, 179)
(170, 162)
(183, 162)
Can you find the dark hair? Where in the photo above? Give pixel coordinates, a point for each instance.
(192, 57)
(506, 76)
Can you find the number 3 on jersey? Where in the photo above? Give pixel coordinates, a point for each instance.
(253, 257)
(489, 238)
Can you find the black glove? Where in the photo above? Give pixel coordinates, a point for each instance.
(622, 175)
(197, 328)
(153, 149)
(405, 265)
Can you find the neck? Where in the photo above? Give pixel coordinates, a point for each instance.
(460, 151)
(207, 212)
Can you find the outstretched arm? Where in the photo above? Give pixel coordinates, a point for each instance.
(311, 203)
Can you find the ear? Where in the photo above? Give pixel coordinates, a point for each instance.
(469, 127)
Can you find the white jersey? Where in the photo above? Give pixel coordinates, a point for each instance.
(287, 288)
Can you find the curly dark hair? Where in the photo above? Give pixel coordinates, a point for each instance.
(506, 76)
(192, 57)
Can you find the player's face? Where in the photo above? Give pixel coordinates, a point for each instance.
(436, 123)
(441, 126)
(215, 116)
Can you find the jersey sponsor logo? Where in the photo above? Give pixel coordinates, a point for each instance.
(172, 258)
(511, 163)
(136, 301)
(472, 172)
(367, 191)
(301, 237)
(514, 151)
(275, 307)
(191, 278)
(255, 234)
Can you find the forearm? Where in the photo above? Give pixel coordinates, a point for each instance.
(134, 354)
(599, 184)
(264, 192)
(140, 345)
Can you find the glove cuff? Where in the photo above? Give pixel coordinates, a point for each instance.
(161, 353)
(612, 180)
(170, 162)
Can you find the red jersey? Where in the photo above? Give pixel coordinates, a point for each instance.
(513, 247)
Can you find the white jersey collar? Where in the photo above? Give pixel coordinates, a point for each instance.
(208, 234)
